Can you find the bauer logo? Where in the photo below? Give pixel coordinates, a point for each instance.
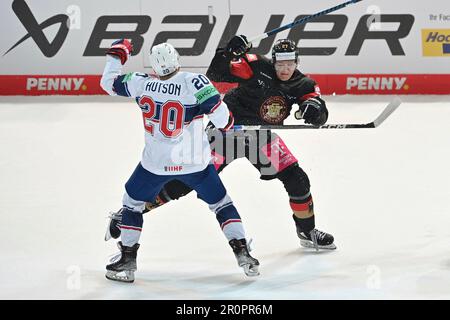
(36, 29)
(436, 42)
(55, 84)
(377, 83)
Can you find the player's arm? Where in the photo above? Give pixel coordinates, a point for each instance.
(312, 107)
(113, 81)
(232, 63)
(221, 117)
(210, 102)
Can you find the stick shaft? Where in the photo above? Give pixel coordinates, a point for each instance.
(301, 21)
(387, 111)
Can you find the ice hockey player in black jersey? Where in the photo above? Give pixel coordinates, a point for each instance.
(266, 92)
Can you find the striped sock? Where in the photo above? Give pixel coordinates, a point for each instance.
(131, 227)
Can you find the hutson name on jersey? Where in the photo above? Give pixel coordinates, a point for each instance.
(165, 88)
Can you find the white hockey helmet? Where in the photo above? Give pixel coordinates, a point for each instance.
(164, 59)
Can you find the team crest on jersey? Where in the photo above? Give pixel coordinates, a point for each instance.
(274, 110)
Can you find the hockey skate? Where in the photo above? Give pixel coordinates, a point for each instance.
(316, 239)
(243, 257)
(123, 265)
(113, 227)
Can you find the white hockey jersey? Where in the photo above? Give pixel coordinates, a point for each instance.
(173, 111)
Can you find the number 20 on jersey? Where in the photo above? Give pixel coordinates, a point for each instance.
(151, 116)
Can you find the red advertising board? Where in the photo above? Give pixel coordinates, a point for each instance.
(328, 83)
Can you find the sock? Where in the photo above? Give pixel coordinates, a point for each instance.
(131, 227)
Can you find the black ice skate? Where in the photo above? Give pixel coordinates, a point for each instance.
(316, 239)
(244, 259)
(113, 227)
(123, 269)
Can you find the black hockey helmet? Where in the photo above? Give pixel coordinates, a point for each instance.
(284, 49)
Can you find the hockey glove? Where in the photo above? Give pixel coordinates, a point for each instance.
(238, 46)
(313, 111)
(122, 49)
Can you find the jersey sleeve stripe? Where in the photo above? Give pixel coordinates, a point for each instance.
(193, 119)
(207, 105)
(230, 123)
(215, 107)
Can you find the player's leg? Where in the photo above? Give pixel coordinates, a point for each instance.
(173, 190)
(141, 186)
(297, 185)
(176, 189)
(210, 189)
(224, 149)
(275, 160)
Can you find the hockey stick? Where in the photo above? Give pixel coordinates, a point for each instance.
(300, 21)
(390, 108)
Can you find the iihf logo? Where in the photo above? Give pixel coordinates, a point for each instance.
(35, 30)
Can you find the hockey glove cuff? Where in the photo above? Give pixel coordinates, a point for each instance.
(122, 49)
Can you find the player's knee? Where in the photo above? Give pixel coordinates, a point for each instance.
(225, 211)
(222, 203)
(131, 204)
(295, 181)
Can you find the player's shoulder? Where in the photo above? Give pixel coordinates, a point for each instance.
(136, 78)
(185, 76)
(303, 79)
(303, 84)
(136, 75)
(200, 86)
(192, 75)
(257, 59)
(196, 81)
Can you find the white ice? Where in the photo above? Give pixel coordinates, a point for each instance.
(383, 193)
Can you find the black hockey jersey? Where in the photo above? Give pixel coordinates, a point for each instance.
(260, 98)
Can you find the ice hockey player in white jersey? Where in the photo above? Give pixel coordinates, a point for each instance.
(173, 105)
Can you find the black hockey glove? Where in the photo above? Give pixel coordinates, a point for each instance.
(313, 111)
(238, 46)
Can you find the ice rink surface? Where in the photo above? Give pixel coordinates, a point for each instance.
(383, 193)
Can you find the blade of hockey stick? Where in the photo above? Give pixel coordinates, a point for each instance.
(390, 108)
(387, 111)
